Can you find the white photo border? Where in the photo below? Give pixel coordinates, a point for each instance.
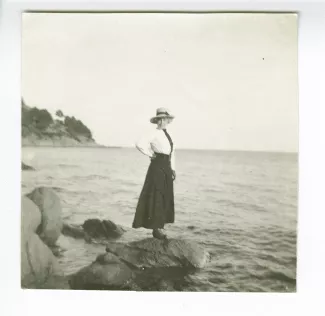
(311, 238)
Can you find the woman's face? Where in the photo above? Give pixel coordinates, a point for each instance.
(165, 121)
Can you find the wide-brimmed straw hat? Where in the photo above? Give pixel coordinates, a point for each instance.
(161, 113)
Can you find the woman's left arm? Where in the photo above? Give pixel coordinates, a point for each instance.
(144, 146)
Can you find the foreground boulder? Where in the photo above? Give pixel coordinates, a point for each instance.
(50, 206)
(155, 253)
(146, 265)
(30, 217)
(39, 267)
(94, 229)
(106, 273)
(26, 167)
(38, 263)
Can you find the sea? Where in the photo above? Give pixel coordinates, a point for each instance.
(240, 206)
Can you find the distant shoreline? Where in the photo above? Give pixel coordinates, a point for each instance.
(81, 146)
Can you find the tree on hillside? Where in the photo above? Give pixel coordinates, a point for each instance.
(41, 119)
(59, 113)
(75, 126)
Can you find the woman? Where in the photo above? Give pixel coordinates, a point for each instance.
(156, 203)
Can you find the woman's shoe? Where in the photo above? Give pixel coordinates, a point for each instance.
(157, 233)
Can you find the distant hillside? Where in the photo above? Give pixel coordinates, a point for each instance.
(39, 128)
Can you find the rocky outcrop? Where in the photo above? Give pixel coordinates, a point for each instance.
(144, 265)
(26, 167)
(50, 206)
(148, 264)
(38, 264)
(94, 229)
(41, 128)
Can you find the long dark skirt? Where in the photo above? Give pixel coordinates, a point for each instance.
(156, 202)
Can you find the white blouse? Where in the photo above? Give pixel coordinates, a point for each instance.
(157, 142)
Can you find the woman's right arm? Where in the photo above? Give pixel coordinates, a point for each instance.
(144, 146)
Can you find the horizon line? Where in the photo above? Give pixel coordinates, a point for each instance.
(210, 149)
(221, 149)
(178, 149)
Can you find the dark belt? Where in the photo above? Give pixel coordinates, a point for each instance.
(162, 156)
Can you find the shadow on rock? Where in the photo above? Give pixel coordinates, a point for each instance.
(106, 273)
(162, 279)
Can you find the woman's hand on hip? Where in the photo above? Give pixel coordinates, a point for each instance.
(174, 174)
(153, 157)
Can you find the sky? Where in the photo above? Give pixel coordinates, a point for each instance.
(231, 80)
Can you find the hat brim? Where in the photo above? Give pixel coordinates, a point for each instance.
(155, 119)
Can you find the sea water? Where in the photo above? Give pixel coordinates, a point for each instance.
(241, 206)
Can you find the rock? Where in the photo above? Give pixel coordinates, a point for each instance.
(74, 231)
(155, 253)
(106, 273)
(37, 262)
(26, 167)
(30, 217)
(50, 206)
(96, 228)
(93, 229)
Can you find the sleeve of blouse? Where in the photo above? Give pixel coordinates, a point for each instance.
(144, 145)
(172, 162)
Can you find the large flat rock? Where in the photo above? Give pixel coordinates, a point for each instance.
(146, 265)
(155, 253)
